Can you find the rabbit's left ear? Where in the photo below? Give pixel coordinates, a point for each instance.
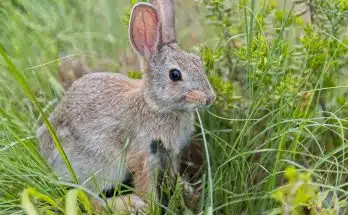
(144, 29)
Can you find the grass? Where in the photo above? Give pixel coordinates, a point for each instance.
(282, 95)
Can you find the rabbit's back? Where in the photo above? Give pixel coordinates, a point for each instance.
(97, 105)
(98, 95)
(89, 122)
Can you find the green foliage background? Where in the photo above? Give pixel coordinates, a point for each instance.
(281, 87)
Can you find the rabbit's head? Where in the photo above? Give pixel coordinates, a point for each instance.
(176, 79)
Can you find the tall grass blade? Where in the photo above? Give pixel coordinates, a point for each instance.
(21, 81)
(27, 204)
(72, 198)
(209, 209)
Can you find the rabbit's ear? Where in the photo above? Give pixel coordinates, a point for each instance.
(167, 18)
(144, 29)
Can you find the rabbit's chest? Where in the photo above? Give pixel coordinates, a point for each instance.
(175, 132)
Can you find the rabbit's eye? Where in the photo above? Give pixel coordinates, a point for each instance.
(175, 75)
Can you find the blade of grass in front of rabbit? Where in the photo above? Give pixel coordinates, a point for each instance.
(209, 209)
(21, 81)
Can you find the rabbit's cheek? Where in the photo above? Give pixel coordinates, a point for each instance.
(174, 94)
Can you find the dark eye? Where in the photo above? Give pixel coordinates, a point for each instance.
(175, 75)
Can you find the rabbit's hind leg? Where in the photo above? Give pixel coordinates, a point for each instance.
(121, 199)
(124, 188)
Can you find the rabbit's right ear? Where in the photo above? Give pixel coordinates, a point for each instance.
(144, 29)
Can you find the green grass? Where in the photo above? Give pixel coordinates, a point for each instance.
(282, 94)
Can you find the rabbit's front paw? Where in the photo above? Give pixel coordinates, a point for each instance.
(128, 203)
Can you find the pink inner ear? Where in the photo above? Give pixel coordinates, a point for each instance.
(144, 29)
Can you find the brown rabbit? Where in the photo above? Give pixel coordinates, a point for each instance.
(105, 118)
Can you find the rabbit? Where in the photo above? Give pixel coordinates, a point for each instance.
(107, 122)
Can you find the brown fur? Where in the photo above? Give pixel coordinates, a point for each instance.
(106, 120)
(140, 170)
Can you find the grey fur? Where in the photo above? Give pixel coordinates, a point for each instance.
(167, 17)
(102, 112)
